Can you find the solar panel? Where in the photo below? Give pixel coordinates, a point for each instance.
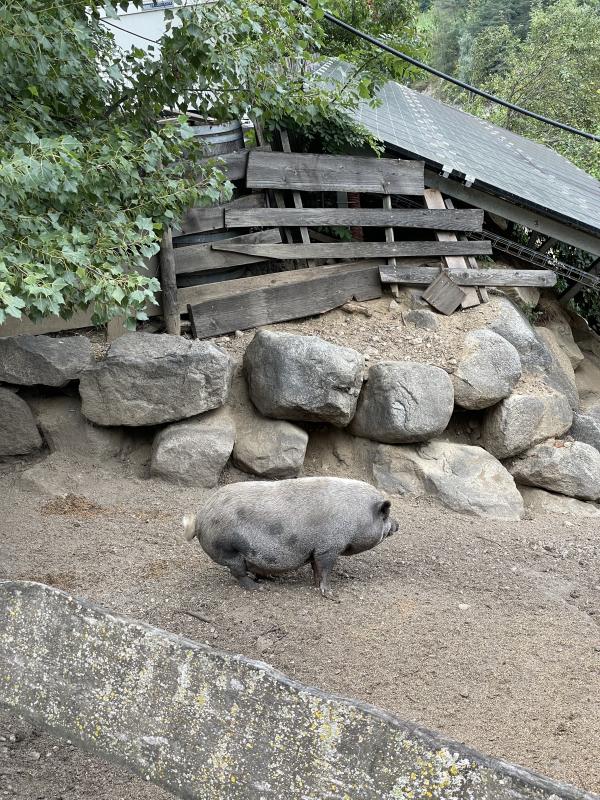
(495, 159)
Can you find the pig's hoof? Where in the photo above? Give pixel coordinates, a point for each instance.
(329, 595)
(248, 583)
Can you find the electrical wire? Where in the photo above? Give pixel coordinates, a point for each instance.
(421, 65)
(392, 50)
(131, 33)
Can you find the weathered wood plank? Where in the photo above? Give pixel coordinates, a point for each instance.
(296, 196)
(283, 296)
(212, 218)
(310, 172)
(470, 277)
(234, 164)
(471, 260)
(457, 220)
(389, 237)
(443, 294)
(203, 257)
(355, 249)
(434, 200)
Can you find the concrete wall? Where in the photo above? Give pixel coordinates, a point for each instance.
(208, 725)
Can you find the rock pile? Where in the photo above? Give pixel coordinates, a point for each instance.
(530, 398)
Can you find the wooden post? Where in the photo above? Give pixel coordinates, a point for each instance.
(389, 237)
(296, 196)
(434, 199)
(168, 284)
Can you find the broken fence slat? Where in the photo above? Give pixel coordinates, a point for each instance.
(456, 220)
(326, 173)
(248, 303)
(357, 249)
(443, 294)
(470, 277)
(204, 258)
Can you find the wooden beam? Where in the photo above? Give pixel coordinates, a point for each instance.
(470, 277)
(168, 284)
(251, 302)
(205, 258)
(456, 220)
(212, 218)
(563, 232)
(355, 249)
(434, 199)
(323, 173)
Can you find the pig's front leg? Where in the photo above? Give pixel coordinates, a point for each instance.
(322, 564)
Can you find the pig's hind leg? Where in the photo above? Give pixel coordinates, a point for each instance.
(322, 564)
(233, 558)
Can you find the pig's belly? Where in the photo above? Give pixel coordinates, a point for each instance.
(275, 563)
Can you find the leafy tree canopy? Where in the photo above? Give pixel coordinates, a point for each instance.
(88, 174)
(554, 71)
(393, 21)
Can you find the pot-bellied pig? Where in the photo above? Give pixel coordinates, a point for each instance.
(263, 528)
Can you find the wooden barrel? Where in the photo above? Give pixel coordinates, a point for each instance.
(220, 139)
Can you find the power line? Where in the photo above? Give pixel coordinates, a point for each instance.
(392, 50)
(131, 33)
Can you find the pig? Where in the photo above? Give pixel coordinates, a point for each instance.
(265, 528)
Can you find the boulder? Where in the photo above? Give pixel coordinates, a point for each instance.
(269, 448)
(421, 318)
(403, 401)
(587, 378)
(538, 501)
(148, 379)
(586, 428)
(488, 370)
(18, 432)
(44, 360)
(303, 377)
(194, 452)
(512, 325)
(67, 431)
(525, 296)
(523, 420)
(464, 478)
(559, 372)
(571, 468)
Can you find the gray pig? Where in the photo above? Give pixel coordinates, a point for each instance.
(263, 528)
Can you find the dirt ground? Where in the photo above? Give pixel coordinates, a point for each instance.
(486, 631)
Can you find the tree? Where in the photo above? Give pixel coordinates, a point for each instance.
(393, 21)
(555, 72)
(89, 176)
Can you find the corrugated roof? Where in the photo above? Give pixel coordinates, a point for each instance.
(496, 160)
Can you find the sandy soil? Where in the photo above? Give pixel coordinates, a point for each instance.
(486, 631)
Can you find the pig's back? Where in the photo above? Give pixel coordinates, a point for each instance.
(285, 521)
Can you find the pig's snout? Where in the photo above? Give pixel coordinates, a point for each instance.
(393, 527)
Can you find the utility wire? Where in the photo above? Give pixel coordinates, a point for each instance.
(392, 50)
(432, 70)
(104, 21)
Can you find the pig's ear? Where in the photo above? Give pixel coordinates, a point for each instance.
(384, 509)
